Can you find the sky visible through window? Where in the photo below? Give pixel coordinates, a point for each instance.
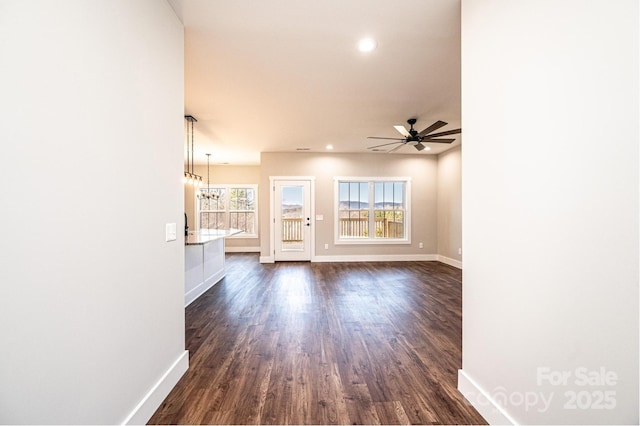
(292, 195)
(356, 194)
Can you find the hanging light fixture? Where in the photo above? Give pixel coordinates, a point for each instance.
(190, 176)
(208, 195)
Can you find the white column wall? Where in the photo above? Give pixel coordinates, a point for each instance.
(91, 131)
(550, 207)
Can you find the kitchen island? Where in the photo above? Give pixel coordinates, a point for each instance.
(204, 261)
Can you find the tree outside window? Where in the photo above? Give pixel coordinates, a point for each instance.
(235, 208)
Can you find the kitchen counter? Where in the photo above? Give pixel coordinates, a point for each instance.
(204, 237)
(204, 261)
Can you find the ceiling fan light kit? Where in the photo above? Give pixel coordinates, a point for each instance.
(415, 138)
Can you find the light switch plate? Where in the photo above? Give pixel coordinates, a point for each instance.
(319, 217)
(171, 232)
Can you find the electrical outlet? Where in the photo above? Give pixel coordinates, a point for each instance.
(420, 245)
(326, 246)
(460, 251)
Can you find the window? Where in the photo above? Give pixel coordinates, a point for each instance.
(372, 210)
(236, 207)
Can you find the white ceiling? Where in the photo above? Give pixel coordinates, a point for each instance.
(267, 76)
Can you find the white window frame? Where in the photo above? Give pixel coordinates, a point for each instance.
(227, 188)
(371, 180)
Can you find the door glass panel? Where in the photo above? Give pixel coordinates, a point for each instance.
(293, 221)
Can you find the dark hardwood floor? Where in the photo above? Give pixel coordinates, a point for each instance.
(324, 343)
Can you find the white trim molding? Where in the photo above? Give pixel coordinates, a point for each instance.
(482, 401)
(152, 400)
(227, 208)
(377, 258)
(449, 261)
(272, 214)
(371, 181)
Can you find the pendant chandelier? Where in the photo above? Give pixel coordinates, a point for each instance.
(208, 195)
(190, 176)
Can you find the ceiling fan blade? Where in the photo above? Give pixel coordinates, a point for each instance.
(435, 126)
(425, 140)
(384, 144)
(448, 132)
(419, 146)
(402, 130)
(390, 139)
(396, 148)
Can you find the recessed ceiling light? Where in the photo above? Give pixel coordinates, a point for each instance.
(366, 45)
(329, 147)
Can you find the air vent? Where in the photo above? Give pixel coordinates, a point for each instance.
(303, 149)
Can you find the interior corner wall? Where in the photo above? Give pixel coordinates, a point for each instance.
(422, 169)
(92, 305)
(450, 205)
(550, 106)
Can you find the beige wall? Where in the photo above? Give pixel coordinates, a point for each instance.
(450, 203)
(422, 169)
(437, 201)
(222, 174)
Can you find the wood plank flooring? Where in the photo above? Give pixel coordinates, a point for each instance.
(324, 343)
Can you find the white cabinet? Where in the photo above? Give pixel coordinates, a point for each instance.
(203, 262)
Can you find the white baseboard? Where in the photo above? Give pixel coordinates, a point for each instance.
(197, 291)
(376, 258)
(379, 258)
(482, 401)
(449, 261)
(228, 249)
(152, 400)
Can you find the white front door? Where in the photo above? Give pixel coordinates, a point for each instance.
(292, 220)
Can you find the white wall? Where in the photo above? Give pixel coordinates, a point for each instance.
(91, 310)
(450, 205)
(550, 204)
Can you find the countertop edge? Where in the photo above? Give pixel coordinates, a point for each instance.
(205, 237)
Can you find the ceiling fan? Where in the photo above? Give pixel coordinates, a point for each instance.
(415, 138)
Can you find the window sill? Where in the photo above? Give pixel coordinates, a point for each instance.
(369, 241)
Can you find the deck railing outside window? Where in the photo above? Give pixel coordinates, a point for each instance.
(292, 228)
